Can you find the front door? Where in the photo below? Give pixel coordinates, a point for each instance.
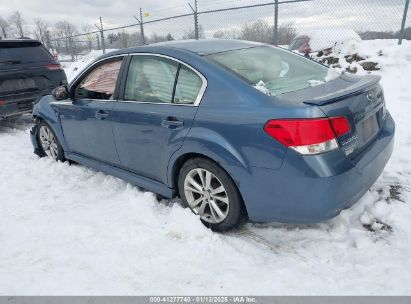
(152, 119)
(87, 119)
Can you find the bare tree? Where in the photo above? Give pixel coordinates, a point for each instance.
(227, 34)
(64, 30)
(17, 21)
(40, 30)
(159, 38)
(286, 33)
(190, 34)
(86, 28)
(260, 31)
(4, 28)
(123, 39)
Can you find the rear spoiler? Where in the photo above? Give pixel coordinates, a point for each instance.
(356, 88)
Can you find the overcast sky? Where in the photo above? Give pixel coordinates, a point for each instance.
(357, 14)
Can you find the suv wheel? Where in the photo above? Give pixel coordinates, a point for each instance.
(211, 193)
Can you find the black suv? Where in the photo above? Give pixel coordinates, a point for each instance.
(27, 71)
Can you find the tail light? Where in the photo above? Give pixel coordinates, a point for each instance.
(53, 66)
(308, 136)
(2, 102)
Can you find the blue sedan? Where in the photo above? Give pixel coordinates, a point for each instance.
(238, 130)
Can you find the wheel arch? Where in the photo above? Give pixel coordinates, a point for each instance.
(42, 110)
(206, 143)
(178, 164)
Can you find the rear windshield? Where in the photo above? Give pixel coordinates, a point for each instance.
(23, 52)
(272, 70)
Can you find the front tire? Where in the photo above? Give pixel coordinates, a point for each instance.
(211, 194)
(48, 143)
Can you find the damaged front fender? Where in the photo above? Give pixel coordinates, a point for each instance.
(44, 110)
(33, 136)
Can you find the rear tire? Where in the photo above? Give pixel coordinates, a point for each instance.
(211, 193)
(48, 143)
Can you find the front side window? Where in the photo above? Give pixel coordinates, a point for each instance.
(100, 83)
(272, 70)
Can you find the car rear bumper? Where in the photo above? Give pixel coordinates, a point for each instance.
(309, 189)
(20, 103)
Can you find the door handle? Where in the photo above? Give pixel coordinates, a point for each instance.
(172, 122)
(101, 114)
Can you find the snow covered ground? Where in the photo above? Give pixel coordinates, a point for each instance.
(69, 230)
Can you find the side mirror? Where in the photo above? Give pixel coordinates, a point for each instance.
(60, 93)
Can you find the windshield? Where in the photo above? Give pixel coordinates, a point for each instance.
(272, 70)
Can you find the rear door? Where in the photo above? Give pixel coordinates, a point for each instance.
(27, 70)
(86, 119)
(155, 112)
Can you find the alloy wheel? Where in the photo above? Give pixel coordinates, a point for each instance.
(48, 142)
(206, 195)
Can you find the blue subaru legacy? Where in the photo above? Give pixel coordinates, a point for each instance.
(238, 130)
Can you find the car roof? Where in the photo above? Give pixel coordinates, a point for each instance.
(199, 47)
(208, 46)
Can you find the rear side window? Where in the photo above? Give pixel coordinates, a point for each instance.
(188, 86)
(151, 79)
(161, 80)
(23, 52)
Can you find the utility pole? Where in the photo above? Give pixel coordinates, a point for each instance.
(404, 19)
(275, 27)
(98, 41)
(140, 22)
(100, 28)
(195, 14)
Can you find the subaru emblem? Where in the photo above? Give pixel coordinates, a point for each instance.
(370, 95)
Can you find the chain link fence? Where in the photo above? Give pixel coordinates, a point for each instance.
(276, 22)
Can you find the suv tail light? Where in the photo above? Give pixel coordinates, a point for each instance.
(308, 136)
(2, 102)
(53, 66)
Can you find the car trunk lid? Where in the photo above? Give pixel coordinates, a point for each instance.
(359, 99)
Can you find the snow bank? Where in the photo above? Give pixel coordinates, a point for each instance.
(325, 38)
(69, 230)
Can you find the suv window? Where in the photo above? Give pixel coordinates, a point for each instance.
(188, 86)
(23, 52)
(151, 79)
(100, 82)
